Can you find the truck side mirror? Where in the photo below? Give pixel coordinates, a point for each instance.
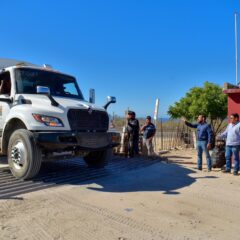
(110, 100)
(46, 91)
(92, 95)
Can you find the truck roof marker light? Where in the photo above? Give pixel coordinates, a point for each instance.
(47, 66)
(21, 64)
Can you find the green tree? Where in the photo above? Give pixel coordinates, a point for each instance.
(208, 100)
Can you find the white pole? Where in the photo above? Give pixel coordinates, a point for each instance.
(155, 117)
(236, 45)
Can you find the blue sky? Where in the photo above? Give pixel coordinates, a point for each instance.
(134, 50)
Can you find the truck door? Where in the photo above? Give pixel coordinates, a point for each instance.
(5, 92)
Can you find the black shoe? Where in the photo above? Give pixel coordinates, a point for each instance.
(209, 170)
(199, 168)
(235, 173)
(226, 171)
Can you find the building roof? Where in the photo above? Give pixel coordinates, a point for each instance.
(229, 91)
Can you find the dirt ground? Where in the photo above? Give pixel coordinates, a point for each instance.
(167, 200)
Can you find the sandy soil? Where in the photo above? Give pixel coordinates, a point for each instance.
(163, 201)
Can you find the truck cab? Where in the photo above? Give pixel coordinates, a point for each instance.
(44, 116)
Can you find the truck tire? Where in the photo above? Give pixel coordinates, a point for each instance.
(98, 159)
(24, 156)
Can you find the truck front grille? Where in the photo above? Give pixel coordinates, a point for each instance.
(84, 120)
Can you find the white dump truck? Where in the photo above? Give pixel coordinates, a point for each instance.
(44, 116)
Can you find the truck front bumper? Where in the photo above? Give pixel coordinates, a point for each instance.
(71, 140)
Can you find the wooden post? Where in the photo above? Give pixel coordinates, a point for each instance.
(161, 129)
(124, 130)
(155, 117)
(194, 139)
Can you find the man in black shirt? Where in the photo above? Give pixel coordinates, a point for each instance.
(132, 133)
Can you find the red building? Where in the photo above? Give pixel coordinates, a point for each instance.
(233, 100)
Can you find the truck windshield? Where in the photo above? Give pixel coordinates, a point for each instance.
(60, 85)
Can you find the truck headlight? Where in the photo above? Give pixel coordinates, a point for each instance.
(48, 120)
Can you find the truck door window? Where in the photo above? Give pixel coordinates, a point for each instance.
(5, 83)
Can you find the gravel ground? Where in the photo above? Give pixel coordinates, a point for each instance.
(166, 200)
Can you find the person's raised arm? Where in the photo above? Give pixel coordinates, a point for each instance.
(188, 123)
(224, 134)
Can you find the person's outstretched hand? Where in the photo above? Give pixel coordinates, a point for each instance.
(183, 119)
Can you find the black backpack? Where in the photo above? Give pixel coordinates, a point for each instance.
(218, 155)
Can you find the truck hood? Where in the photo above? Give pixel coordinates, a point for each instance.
(67, 103)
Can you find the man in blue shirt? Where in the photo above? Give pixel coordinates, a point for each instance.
(204, 140)
(149, 131)
(232, 133)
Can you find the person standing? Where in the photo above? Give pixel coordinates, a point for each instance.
(204, 140)
(149, 131)
(232, 133)
(132, 133)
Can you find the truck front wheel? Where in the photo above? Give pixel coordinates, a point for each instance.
(98, 159)
(24, 156)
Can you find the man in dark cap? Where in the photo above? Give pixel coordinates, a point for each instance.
(132, 133)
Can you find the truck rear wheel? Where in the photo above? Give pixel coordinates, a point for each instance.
(98, 159)
(24, 156)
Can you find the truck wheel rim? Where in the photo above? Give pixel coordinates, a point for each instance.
(18, 155)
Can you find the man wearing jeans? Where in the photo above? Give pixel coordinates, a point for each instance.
(232, 133)
(204, 140)
(149, 131)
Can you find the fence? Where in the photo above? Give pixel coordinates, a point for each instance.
(170, 135)
(173, 134)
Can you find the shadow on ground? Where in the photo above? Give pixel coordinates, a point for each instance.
(167, 178)
(178, 157)
(121, 175)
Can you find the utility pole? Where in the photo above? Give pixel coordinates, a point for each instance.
(236, 45)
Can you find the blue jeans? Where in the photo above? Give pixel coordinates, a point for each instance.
(232, 150)
(202, 147)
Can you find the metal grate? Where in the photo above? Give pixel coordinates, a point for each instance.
(72, 171)
(83, 120)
